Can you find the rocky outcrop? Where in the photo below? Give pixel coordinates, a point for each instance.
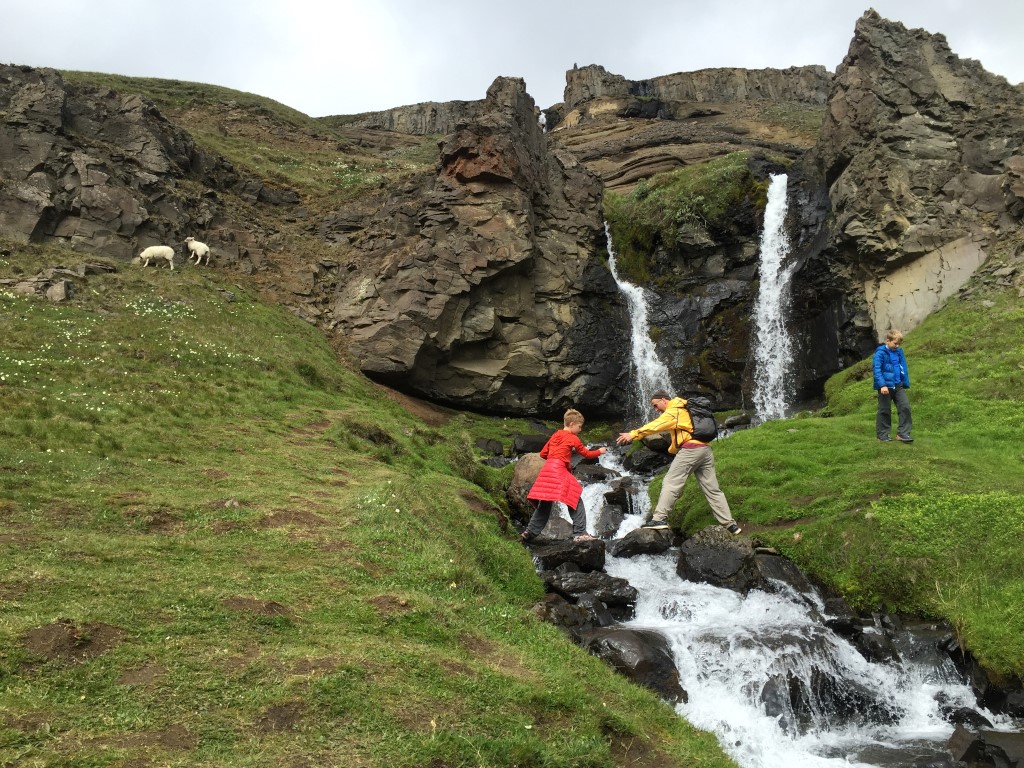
(626, 130)
(430, 117)
(914, 183)
(720, 85)
(484, 286)
(96, 170)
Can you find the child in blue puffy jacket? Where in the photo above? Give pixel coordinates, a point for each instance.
(892, 380)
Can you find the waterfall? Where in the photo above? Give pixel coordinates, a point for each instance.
(772, 346)
(647, 373)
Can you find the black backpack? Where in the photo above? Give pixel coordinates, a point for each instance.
(705, 428)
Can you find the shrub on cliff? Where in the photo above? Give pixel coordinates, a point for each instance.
(687, 206)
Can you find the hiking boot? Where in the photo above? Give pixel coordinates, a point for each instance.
(905, 438)
(583, 537)
(734, 529)
(885, 439)
(526, 537)
(656, 525)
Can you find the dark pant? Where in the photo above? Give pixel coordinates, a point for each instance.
(883, 419)
(543, 511)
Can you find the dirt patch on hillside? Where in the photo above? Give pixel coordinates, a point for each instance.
(477, 504)
(154, 519)
(632, 751)
(280, 518)
(282, 717)
(65, 641)
(496, 658)
(175, 737)
(390, 604)
(430, 414)
(145, 676)
(254, 606)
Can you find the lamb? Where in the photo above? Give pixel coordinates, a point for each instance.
(198, 250)
(155, 252)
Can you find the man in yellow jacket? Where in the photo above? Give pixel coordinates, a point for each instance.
(691, 456)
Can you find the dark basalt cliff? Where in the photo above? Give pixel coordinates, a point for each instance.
(481, 282)
(484, 285)
(914, 183)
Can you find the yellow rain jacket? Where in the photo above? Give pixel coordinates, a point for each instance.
(675, 420)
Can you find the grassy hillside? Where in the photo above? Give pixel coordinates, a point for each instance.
(222, 547)
(327, 164)
(931, 528)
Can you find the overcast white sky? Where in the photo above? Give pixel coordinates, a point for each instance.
(328, 57)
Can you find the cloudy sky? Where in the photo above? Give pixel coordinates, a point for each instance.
(327, 57)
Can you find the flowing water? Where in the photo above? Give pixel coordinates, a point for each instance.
(741, 658)
(773, 353)
(745, 659)
(647, 372)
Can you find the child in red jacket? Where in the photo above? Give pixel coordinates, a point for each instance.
(555, 482)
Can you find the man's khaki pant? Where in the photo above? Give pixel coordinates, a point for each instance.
(700, 462)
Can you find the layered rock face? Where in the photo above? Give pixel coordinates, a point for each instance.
(919, 159)
(720, 85)
(485, 287)
(628, 130)
(422, 119)
(95, 170)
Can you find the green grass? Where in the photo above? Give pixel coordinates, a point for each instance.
(687, 204)
(243, 553)
(931, 528)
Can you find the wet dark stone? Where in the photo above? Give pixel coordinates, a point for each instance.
(641, 655)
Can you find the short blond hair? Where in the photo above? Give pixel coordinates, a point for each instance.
(572, 416)
(894, 335)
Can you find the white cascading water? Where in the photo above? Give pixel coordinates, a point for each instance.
(740, 656)
(648, 373)
(772, 347)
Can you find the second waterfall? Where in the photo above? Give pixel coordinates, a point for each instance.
(773, 349)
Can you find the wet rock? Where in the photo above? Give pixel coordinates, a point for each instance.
(490, 446)
(714, 556)
(612, 591)
(645, 461)
(641, 655)
(776, 573)
(800, 701)
(522, 444)
(571, 618)
(642, 541)
(986, 748)
(587, 555)
(965, 716)
(599, 612)
(609, 518)
(739, 420)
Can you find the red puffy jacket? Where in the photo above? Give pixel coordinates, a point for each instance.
(555, 481)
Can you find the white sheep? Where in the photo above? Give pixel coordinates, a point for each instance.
(156, 252)
(198, 250)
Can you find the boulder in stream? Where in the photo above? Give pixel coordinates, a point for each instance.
(641, 655)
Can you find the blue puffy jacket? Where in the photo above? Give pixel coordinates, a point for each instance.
(887, 375)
